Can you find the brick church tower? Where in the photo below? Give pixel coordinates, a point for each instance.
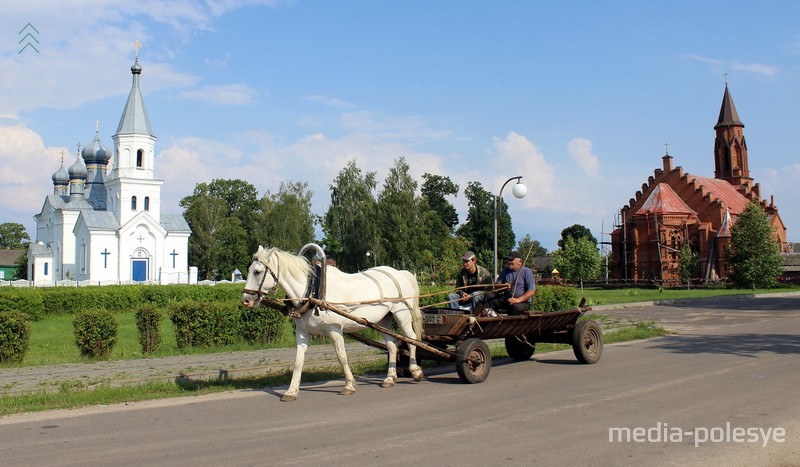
(674, 207)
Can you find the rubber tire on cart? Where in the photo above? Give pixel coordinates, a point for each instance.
(519, 350)
(587, 341)
(469, 371)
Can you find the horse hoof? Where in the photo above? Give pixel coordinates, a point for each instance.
(417, 375)
(387, 384)
(288, 398)
(347, 392)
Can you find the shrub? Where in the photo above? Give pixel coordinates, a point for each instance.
(147, 321)
(15, 335)
(554, 298)
(204, 324)
(262, 324)
(95, 333)
(27, 301)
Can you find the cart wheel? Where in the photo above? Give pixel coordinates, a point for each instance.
(477, 370)
(587, 341)
(519, 350)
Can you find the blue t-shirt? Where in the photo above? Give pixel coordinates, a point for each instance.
(518, 287)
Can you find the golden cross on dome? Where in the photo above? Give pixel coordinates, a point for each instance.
(137, 45)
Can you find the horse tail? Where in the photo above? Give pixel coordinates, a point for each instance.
(416, 313)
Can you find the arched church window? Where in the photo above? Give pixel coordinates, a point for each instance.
(133, 203)
(46, 268)
(139, 158)
(146, 203)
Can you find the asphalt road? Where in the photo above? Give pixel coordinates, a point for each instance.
(722, 391)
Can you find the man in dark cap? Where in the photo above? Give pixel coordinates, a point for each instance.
(519, 285)
(471, 277)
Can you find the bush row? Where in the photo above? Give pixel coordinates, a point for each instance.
(37, 302)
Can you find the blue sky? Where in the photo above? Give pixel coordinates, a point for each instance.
(578, 97)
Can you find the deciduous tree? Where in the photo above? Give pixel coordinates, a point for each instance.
(754, 256)
(13, 236)
(286, 221)
(578, 260)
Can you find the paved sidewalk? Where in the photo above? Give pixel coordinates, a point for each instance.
(179, 368)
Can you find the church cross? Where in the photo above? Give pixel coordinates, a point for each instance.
(173, 254)
(137, 45)
(726, 77)
(105, 254)
(97, 126)
(79, 147)
(666, 145)
(140, 238)
(62, 157)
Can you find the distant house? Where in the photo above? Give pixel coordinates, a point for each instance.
(8, 263)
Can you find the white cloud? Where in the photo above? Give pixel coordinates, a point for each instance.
(330, 101)
(517, 155)
(227, 94)
(756, 68)
(580, 149)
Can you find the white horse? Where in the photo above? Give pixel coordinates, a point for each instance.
(377, 295)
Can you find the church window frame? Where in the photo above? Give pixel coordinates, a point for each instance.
(146, 203)
(133, 203)
(139, 158)
(46, 268)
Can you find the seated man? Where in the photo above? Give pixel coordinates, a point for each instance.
(469, 292)
(519, 285)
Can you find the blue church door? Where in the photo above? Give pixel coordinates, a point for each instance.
(139, 270)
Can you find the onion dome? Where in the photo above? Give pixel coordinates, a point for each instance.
(77, 170)
(61, 177)
(96, 152)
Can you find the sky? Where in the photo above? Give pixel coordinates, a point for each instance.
(580, 98)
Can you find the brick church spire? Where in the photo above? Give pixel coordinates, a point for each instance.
(730, 147)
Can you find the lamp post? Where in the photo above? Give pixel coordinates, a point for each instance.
(374, 257)
(519, 191)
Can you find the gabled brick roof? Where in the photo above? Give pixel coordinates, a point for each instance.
(725, 192)
(664, 200)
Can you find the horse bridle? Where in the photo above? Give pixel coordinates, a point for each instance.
(272, 289)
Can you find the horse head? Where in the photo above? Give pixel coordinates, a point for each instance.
(261, 279)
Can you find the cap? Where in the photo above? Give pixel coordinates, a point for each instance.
(468, 256)
(513, 255)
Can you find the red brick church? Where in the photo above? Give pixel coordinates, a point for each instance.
(674, 207)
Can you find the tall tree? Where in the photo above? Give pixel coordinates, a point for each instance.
(575, 232)
(754, 256)
(286, 220)
(350, 224)
(530, 249)
(218, 243)
(13, 236)
(479, 228)
(578, 260)
(434, 190)
(398, 218)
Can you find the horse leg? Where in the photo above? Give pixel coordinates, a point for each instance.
(404, 322)
(341, 354)
(391, 347)
(294, 387)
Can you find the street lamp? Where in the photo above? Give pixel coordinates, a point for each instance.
(374, 257)
(519, 191)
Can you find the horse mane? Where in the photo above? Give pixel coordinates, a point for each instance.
(297, 267)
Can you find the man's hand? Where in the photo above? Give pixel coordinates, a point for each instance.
(465, 298)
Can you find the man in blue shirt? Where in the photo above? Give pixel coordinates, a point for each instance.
(519, 285)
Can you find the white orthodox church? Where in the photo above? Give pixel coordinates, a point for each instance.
(103, 223)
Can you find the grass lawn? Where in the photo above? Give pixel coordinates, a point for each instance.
(631, 295)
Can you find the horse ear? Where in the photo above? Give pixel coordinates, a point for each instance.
(260, 248)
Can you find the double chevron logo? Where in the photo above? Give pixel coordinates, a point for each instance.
(28, 38)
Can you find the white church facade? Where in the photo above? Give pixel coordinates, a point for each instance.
(103, 223)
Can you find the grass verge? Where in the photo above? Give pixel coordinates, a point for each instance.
(69, 397)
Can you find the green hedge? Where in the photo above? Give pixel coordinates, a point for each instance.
(554, 298)
(95, 333)
(23, 300)
(15, 336)
(204, 324)
(147, 321)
